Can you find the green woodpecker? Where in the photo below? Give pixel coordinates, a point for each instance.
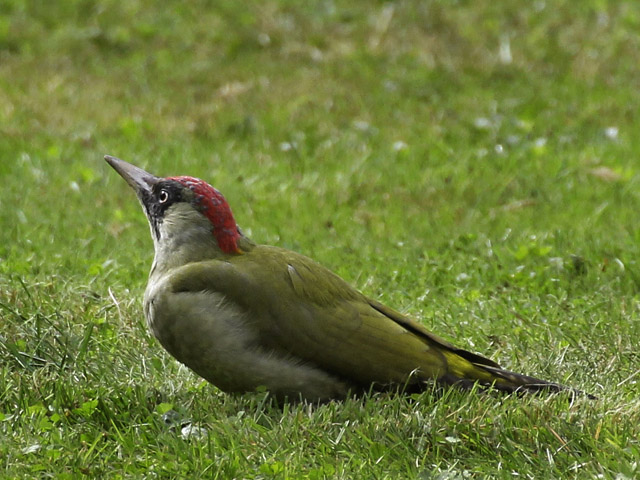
(246, 316)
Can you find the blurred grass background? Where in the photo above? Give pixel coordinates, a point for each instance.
(474, 164)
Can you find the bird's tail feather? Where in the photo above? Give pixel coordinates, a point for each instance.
(493, 376)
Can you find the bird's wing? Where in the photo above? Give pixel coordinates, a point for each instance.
(302, 309)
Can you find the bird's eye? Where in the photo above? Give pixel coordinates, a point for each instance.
(163, 196)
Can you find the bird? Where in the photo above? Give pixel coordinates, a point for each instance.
(248, 317)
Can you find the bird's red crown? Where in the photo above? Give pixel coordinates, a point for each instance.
(214, 206)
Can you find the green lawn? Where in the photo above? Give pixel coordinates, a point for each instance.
(473, 164)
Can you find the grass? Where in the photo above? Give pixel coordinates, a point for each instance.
(473, 164)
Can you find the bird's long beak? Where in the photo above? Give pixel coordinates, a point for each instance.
(137, 178)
